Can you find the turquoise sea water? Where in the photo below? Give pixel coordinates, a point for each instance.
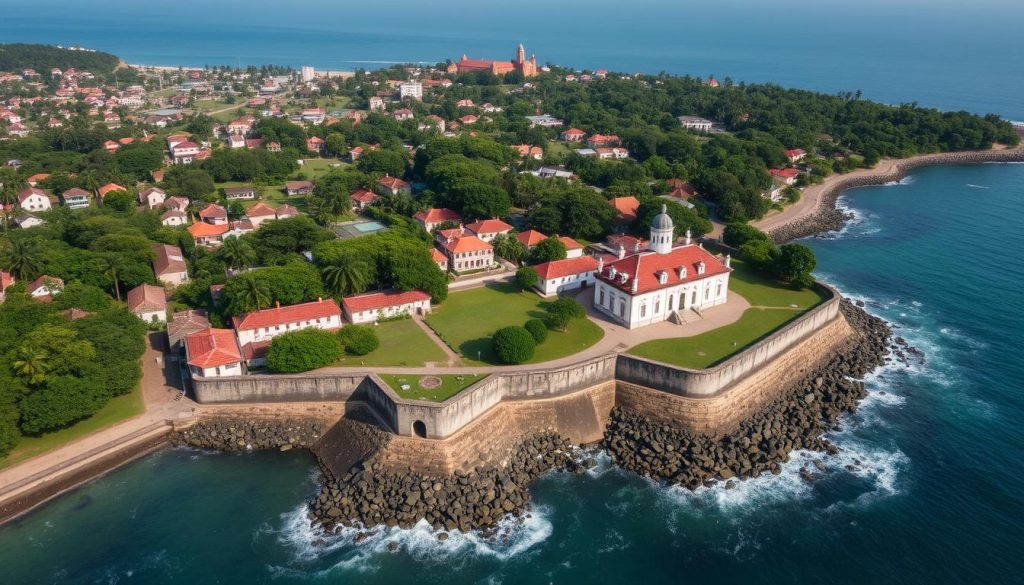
(928, 487)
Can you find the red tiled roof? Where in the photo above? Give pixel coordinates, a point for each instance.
(785, 173)
(570, 244)
(489, 226)
(200, 229)
(212, 347)
(645, 267)
(26, 193)
(42, 281)
(566, 267)
(530, 238)
(393, 183)
(794, 152)
(260, 210)
(146, 297)
(283, 315)
(574, 132)
(214, 211)
(626, 206)
(364, 196)
(380, 300)
(296, 185)
(6, 280)
(110, 187)
(286, 210)
(466, 244)
(437, 256)
(437, 215)
(630, 243)
(168, 259)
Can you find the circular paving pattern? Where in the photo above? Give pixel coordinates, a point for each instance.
(430, 382)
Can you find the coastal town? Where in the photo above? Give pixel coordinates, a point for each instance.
(428, 232)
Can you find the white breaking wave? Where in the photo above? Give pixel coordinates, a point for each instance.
(973, 186)
(513, 536)
(908, 180)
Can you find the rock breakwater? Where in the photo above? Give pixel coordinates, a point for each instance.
(235, 434)
(797, 419)
(826, 217)
(369, 495)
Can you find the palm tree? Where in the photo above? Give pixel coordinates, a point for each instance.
(346, 275)
(253, 293)
(237, 253)
(32, 365)
(114, 265)
(24, 258)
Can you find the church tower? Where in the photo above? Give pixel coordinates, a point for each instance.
(520, 54)
(662, 235)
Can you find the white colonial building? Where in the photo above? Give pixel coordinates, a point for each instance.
(662, 282)
(255, 330)
(372, 307)
(213, 353)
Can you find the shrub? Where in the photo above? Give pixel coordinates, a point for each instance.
(64, 400)
(537, 329)
(563, 310)
(358, 339)
(738, 233)
(527, 277)
(301, 351)
(513, 345)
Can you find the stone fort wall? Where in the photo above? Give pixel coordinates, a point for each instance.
(512, 403)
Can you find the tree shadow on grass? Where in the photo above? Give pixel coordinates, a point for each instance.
(480, 349)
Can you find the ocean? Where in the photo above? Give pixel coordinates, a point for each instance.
(928, 486)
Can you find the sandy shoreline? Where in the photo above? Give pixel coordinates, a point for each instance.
(816, 211)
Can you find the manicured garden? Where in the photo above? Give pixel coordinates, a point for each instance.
(708, 349)
(468, 319)
(402, 343)
(436, 388)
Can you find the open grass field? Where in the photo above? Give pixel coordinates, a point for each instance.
(451, 384)
(708, 349)
(765, 292)
(402, 343)
(118, 409)
(468, 318)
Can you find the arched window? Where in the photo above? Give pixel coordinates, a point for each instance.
(419, 428)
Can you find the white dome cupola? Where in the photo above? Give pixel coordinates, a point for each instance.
(662, 235)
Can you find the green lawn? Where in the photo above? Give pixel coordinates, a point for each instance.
(314, 168)
(402, 343)
(765, 292)
(708, 349)
(468, 318)
(118, 409)
(451, 384)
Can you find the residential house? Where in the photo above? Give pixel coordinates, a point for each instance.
(389, 185)
(466, 252)
(464, 103)
(176, 203)
(213, 353)
(603, 140)
(488, 229)
(235, 141)
(174, 218)
(544, 121)
(149, 303)
(206, 234)
(695, 123)
(256, 329)
(435, 216)
(75, 198)
(795, 155)
(372, 307)
(183, 153)
(183, 324)
(292, 188)
(439, 258)
(410, 89)
(432, 122)
(259, 213)
(169, 265)
(240, 192)
(6, 280)
(45, 288)
(362, 198)
(528, 151)
(34, 199)
(403, 114)
(152, 197)
(110, 188)
(625, 209)
(613, 153)
(376, 104)
(214, 214)
(27, 220)
(554, 172)
(284, 211)
(558, 276)
(530, 238)
(315, 144)
(573, 249)
(787, 175)
(469, 119)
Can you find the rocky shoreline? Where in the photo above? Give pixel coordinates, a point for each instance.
(796, 420)
(828, 218)
(370, 494)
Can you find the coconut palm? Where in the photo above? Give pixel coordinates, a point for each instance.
(237, 253)
(24, 258)
(113, 266)
(32, 365)
(346, 275)
(252, 293)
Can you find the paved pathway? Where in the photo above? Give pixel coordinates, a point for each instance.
(160, 396)
(501, 276)
(616, 339)
(453, 358)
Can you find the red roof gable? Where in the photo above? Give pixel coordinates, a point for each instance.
(489, 226)
(283, 315)
(466, 244)
(785, 173)
(381, 300)
(566, 267)
(626, 206)
(530, 238)
(645, 266)
(437, 215)
(212, 347)
(147, 297)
